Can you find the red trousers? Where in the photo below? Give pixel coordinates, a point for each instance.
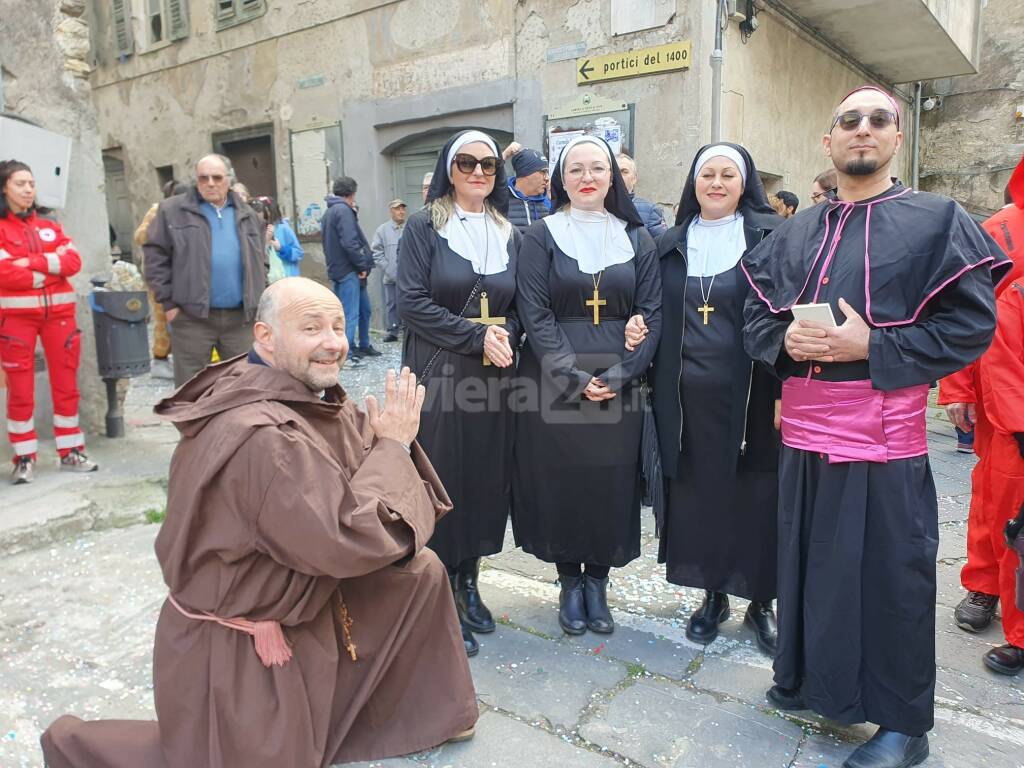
(997, 495)
(62, 347)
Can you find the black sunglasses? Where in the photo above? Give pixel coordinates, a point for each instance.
(467, 163)
(879, 119)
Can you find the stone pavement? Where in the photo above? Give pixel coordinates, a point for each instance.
(77, 612)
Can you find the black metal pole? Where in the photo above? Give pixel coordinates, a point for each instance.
(115, 417)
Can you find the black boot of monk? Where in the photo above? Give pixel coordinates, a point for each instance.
(472, 611)
(472, 646)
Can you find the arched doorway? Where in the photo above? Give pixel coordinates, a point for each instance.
(416, 155)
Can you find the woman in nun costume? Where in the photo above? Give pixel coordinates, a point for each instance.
(714, 408)
(456, 295)
(584, 271)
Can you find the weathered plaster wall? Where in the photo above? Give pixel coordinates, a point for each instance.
(671, 113)
(44, 53)
(973, 140)
(780, 91)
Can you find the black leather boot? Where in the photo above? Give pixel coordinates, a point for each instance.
(472, 611)
(468, 641)
(703, 625)
(786, 699)
(572, 611)
(595, 597)
(889, 749)
(761, 618)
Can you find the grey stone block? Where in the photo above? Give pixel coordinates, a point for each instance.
(657, 723)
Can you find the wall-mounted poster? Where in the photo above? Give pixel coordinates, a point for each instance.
(589, 115)
(316, 160)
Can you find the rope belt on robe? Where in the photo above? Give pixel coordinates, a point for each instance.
(851, 421)
(272, 646)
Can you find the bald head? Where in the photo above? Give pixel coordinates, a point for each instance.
(300, 328)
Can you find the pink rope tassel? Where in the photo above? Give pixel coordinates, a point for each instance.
(272, 646)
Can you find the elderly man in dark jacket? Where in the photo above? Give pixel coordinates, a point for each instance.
(649, 212)
(206, 261)
(528, 202)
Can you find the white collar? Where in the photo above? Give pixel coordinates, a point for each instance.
(595, 240)
(478, 239)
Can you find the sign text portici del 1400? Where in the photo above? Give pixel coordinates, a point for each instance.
(645, 61)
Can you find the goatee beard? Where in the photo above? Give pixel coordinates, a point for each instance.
(861, 167)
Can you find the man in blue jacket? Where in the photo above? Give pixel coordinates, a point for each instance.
(528, 202)
(349, 262)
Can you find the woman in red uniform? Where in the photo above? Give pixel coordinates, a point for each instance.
(37, 302)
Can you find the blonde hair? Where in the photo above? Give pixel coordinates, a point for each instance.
(442, 209)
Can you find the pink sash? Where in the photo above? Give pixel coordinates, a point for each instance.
(851, 421)
(272, 647)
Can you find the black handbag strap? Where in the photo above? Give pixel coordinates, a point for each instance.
(433, 358)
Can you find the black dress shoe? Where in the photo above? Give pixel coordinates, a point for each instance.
(703, 624)
(975, 612)
(1005, 659)
(391, 337)
(595, 597)
(761, 618)
(889, 749)
(472, 611)
(572, 611)
(786, 699)
(369, 351)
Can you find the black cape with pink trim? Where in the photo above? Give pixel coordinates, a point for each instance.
(939, 236)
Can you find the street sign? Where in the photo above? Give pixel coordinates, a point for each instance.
(645, 61)
(566, 52)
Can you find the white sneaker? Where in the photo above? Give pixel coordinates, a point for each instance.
(76, 461)
(24, 471)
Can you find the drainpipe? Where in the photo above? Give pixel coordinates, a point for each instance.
(915, 160)
(716, 75)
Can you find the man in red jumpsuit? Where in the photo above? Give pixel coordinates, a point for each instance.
(37, 302)
(988, 397)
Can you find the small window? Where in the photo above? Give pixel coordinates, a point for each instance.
(155, 20)
(122, 18)
(232, 12)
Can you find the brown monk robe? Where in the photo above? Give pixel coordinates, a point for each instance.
(285, 507)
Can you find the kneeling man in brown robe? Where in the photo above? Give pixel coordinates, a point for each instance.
(306, 624)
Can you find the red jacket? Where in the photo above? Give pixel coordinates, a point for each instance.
(42, 285)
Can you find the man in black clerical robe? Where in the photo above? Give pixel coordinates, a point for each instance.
(909, 280)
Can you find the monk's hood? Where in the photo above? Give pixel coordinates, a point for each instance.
(235, 383)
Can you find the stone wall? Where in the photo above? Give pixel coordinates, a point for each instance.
(973, 138)
(45, 58)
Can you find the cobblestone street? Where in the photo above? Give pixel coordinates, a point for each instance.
(77, 616)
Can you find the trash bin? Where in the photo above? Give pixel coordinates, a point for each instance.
(122, 343)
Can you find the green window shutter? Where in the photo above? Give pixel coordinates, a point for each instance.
(225, 9)
(177, 10)
(123, 27)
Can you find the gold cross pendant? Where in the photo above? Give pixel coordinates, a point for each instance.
(485, 318)
(705, 310)
(597, 302)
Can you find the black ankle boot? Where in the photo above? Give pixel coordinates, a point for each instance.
(595, 597)
(572, 611)
(889, 749)
(761, 618)
(703, 625)
(472, 611)
(468, 641)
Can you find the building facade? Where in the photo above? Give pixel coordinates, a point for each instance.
(297, 93)
(973, 126)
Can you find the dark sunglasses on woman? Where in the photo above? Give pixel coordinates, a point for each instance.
(467, 164)
(878, 119)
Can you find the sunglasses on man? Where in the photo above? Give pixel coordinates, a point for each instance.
(216, 178)
(878, 119)
(467, 163)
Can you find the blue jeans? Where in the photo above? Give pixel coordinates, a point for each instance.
(356, 303)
